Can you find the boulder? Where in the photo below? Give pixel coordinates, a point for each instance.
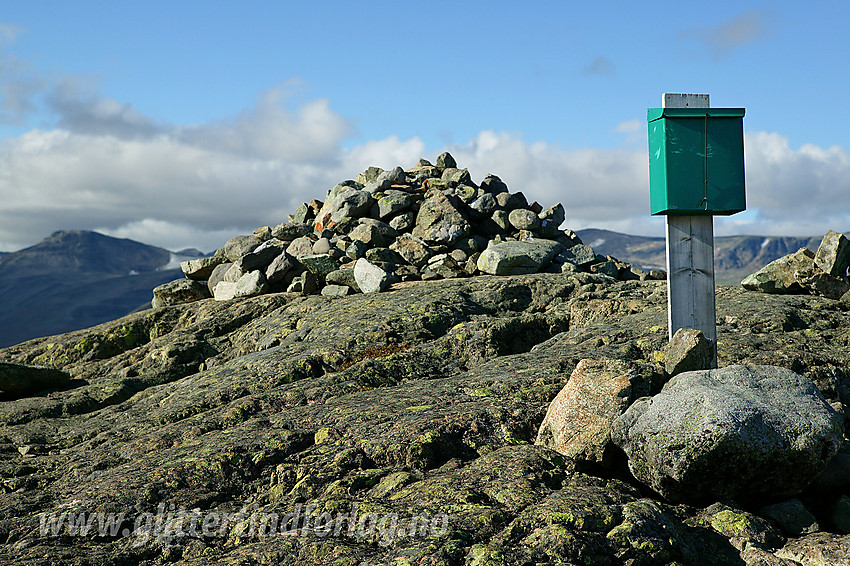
(217, 276)
(335, 290)
(833, 255)
(200, 269)
(319, 264)
(446, 161)
(261, 256)
(393, 202)
(445, 266)
(369, 277)
(351, 202)
(251, 284)
(578, 421)
(554, 214)
(791, 516)
(300, 247)
(343, 276)
(581, 255)
(413, 250)
(18, 380)
(179, 291)
(523, 219)
(514, 258)
(745, 432)
(688, 350)
(289, 231)
(279, 267)
(439, 221)
(238, 246)
(783, 275)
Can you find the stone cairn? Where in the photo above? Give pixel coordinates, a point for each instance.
(424, 223)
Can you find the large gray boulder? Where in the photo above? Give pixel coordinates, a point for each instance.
(439, 221)
(200, 269)
(516, 258)
(179, 291)
(783, 275)
(369, 277)
(737, 432)
(833, 255)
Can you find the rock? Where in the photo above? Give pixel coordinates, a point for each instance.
(178, 292)
(782, 275)
(200, 269)
(493, 185)
(383, 256)
(289, 231)
(393, 202)
(578, 421)
(17, 380)
(238, 246)
(217, 276)
(840, 515)
(371, 175)
(446, 161)
(554, 214)
(833, 255)
(370, 278)
(413, 250)
(395, 177)
(513, 258)
(403, 222)
(499, 221)
(279, 267)
(300, 247)
(357, 249)
(335, 290)
(225, 291)
(581, 255)
(303, 214)
(688, 350)
(262, 255)
(738, 431)
(826, 285)
(454, 177)
(319, 264)
(484, 205)
(322, 246)
(439, 221)
(511, 202)
(351, 202)
(608, 268)
(370, 235)
(445, 266)
(791, 516)
(343, 277)
(817, 549)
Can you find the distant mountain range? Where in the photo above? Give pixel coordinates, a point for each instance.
(735, 257)
(76, 279)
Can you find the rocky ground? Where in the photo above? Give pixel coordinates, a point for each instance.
(419, 405)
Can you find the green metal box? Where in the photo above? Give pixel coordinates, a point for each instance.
(696, 161)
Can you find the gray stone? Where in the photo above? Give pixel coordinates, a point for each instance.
(393, 202)
(826, 285)
(578, 421)
(322, 246)
(218, 275)
(554, 214)
(263, 233)
(445, 266)
(351, 202)
(238, 246)
(439, 221)
(791, 516)
(395, 177)
(356, 249)
(581, 255)
(459, 256)
(18, 380)
(344, 276)
(251, 284)
(783, 275)
(200, 269)
(608, 268)
(319, 264)
(403, 222)
(179, 291)
(499, 220)
(304, 214)
(523, 219)
(454, 177)
(369, 235)
(688, 350)
(514, 258)
(833, 255)
(466, 193)
(840, 515)
(225, 290)
(510, 202)
(753, 431)
(413, 250)
(383, 256)
(289, 231)
(370, 278)
(446, 161)
(262, 255)
(335, 290)
(484, 205)
(299, 247)
(279, 267)
(493, 185)
(370, 175)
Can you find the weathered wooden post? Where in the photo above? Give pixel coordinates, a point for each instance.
(696, 171)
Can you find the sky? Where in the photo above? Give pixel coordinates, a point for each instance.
(182, 124)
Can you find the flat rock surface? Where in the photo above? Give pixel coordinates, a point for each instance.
(422, 401)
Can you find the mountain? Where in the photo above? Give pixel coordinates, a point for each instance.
(735, 257)
(76, 279)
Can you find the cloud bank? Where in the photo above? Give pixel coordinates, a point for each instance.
(106, 167)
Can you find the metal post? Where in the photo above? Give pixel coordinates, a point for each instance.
(690, 258)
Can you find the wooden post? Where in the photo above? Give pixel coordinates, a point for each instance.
(690, 258)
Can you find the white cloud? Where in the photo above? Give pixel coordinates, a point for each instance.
(735, 32)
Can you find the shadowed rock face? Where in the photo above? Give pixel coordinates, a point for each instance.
(420, 401)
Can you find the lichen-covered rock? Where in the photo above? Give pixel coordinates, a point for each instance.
(833, 255)
(238, 246)
(179, 291)
(369, 277)
(17, 380)
(513, 258)
(688, 350)
(200, 269)
(782, 275)
(738, 431)
(439, 220)
(578, 421)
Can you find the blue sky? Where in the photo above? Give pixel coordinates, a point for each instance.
(184, 123)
